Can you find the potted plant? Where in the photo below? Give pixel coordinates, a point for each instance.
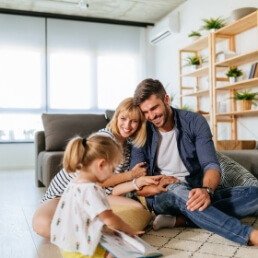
(195, 61)
(233, 73)
(194, 35)
(186, 107)
(245, 99)
(213, 24)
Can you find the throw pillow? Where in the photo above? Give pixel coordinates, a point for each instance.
(60, 128)
(233, 174)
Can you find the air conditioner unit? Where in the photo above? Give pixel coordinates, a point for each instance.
(164, 28)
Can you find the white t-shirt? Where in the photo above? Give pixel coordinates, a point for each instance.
(76, 226)
(168, 159)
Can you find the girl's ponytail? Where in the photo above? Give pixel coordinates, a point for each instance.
(80, 152)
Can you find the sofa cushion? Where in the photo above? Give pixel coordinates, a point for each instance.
(60, 128)
(233, 174)
(109, 114)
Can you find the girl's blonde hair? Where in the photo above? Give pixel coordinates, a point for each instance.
(133, 112)
(80, 152)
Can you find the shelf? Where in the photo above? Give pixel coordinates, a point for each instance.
(240, 59)
(240, 85)
(218, 83)
(197, 93)
(197, 45)
(247, 22)
(203, 71)
(253, 112)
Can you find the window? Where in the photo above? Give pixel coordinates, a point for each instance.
(21, 93)
(20, 78)
(116, 79)
(70, 81)
(62, 66)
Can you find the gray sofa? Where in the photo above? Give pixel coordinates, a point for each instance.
(59, 128)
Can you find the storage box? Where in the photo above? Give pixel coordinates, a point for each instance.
(236, 145)
(222, 56)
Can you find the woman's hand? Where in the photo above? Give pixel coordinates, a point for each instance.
(138, 170)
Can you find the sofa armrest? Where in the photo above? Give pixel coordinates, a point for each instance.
(39, 141)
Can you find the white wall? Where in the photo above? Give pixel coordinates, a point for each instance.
(166, 53)
(17, 156)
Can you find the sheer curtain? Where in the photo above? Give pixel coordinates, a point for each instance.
(54, 65)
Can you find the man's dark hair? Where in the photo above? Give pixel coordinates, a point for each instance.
(146, 88)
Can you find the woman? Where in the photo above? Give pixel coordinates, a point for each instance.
(127, 127)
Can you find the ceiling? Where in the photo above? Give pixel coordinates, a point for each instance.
(136, 11)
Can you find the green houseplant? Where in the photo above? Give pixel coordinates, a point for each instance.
(186, 107)
(233, 73)
(194, 35)
(213, 24)
(245, 99)
(194, 61)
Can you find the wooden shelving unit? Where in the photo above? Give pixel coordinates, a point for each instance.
(213, 70)
(230, 33)
(195, 48)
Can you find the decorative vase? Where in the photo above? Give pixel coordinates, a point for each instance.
(194, 67)
(232, 79)
(244, 104)
(212, 30)
(194, 38)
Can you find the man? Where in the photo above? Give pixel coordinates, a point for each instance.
(180, 147)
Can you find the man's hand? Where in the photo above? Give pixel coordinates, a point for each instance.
(164, 181)
(167, 180)
(150, 190)
(199, 199)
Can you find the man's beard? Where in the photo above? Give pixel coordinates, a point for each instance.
(165, 116)
(166, 112)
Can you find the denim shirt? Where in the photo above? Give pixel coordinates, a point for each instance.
(195, 147)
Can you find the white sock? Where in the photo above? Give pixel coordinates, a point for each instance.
(164, 221)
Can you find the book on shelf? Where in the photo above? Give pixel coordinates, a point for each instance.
(256, 71)
(253, 71)
(122, 245)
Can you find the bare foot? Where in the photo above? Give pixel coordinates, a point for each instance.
(253, 240)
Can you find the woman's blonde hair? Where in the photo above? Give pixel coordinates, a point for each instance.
(80, 152)
(133, 112)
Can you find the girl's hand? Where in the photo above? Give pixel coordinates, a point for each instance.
(131, 232)
(138, 170)
(114, 221)
(148, 180)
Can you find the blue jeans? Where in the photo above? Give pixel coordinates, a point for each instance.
(221, 217)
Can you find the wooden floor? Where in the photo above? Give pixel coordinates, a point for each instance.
(19, 197)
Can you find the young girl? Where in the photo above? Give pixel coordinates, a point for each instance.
(83, 208)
